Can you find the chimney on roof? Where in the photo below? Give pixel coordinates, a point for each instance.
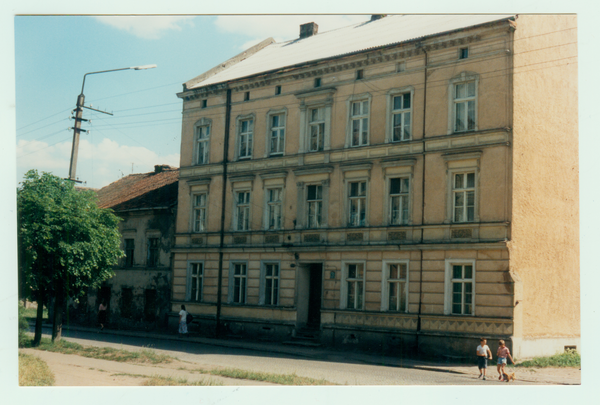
(308, 30)
(160, 168)
(377, 17)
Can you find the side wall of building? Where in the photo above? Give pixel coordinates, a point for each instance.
(544, 250)
(139, 294)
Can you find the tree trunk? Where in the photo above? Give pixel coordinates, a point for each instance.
(41, 295)
(59, 301)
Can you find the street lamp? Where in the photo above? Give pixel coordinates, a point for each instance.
(79, 113)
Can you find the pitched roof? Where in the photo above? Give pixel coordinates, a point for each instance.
(387, 31)
(139, 191)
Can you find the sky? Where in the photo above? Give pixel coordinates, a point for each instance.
(52, 54)
(43, 62)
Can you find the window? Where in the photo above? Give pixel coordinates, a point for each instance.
(464, 106)
(195, 281)
(277, 90)
(274, 208)
(359, 123)
(316, 129)
(360, 74)
(353, 286)
(277, 134)
(463, 53)
(463, 193)
(247, 96)
(401, 117)
(202, 144)
(204, 103)
(199, 212)
(314, 205)
(400, 67)
(149, 304)
(399, 201)
(129, 250)
(245, 138)
(357, 204)
(239, 283)
(152, 252)
(242, 211)
(460, 287)
(395, 286)
(271, 283)
(318, 82)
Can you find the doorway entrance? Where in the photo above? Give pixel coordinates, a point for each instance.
(310, 286)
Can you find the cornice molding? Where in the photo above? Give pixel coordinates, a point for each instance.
(392, 53)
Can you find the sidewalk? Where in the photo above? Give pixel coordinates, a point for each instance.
(561, 376)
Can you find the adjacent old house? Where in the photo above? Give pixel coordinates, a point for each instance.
(406, 183)
(139, 295)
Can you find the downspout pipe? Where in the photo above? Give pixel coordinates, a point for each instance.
(218, 329)
(422, 201)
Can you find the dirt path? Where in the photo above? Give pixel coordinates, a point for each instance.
(74, 370)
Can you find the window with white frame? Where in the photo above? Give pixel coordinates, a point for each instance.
(359, 123)
(465, 114)
(271, 283)
(460, 288)
(354, 285)
(463, 197)
(316, 126)
(246, 128)
(277, 134)
(202, 144)
(274, 208)
(357, 203)
(242, 211)
(401, 117)
(395, 286)
(399, 200)
(195, 280)
(314, 205)
(199, 212)
(239, 277)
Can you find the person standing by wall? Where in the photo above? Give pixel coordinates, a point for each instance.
(102, 314)
(183, 321)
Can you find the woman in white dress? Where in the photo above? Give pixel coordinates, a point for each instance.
(182, 321)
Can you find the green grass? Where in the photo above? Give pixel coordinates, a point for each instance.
(33, 371)
(103, 353)
(569, 358)
(32, 312)
(162, 381)
(282, 379)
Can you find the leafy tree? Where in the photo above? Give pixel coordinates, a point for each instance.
(66, 243)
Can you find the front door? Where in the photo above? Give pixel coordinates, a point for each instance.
(314, 295)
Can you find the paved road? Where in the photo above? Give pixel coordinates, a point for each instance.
(334, 367)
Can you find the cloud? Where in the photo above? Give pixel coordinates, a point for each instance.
(281, 27)
(97, 164)
(146, 27)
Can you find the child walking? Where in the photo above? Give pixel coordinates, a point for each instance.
(483, 353)
(502, 354)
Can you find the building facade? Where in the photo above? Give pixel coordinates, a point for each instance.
(388, 186)
(139, 294)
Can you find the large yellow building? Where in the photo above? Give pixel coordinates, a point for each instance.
(410, 182)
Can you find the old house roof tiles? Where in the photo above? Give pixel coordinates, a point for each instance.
(141, 191)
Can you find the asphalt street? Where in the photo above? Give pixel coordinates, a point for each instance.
(337, 367)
